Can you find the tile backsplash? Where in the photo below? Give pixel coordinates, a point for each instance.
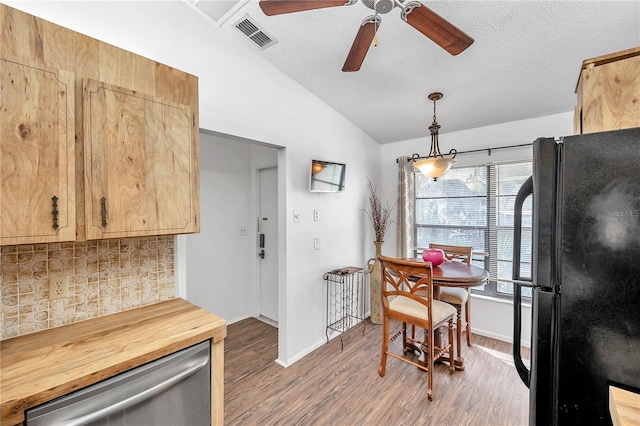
(105, 277)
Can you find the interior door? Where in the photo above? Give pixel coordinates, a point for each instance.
(267, 243)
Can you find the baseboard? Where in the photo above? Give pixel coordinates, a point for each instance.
(267, 321)
(503, 338)
(297, 357)
(313, 347)
(238, 319)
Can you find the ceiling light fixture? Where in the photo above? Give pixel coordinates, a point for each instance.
(435, 164)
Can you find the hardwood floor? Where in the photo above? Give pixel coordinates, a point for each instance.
(342, 387)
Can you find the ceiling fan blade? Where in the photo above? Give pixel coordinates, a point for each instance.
(361, 44)
(278, 7)
(438, 29)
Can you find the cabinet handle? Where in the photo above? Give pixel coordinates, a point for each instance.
(103, 211)
(54, 212)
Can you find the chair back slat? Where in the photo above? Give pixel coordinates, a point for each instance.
(459, 253)
(406, 278)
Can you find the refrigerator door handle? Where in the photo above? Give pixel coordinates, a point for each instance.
(525, 191)
(523, 371)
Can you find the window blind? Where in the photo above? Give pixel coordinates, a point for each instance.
(473, 206)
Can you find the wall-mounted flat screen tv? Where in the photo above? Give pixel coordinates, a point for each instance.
(326, 176)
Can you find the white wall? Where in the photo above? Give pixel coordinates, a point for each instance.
(242, 95)
(490, 317)
(219, 260)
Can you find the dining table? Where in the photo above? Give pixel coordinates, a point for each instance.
(451, 273)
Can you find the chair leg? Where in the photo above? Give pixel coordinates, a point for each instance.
(430, 363)
(385, 346)
(451, 360)
(459, 330)
(467, 313)
(404, 336)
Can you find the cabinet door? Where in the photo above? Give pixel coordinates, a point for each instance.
(138, 164)
(610, 94)
(37, 154)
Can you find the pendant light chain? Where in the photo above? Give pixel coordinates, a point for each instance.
(434, 112)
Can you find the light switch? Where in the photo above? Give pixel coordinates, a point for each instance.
(296, 216)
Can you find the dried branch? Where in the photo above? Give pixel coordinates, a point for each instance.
(380, 217)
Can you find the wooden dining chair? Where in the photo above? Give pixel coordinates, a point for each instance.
(458, 297)
(407, 296)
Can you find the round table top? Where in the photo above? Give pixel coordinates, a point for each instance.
(452, 273)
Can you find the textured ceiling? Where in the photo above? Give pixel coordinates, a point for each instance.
(524, 62)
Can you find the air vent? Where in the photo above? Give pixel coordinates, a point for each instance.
(249, 28)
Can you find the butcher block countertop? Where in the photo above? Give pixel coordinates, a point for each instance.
(36, 368)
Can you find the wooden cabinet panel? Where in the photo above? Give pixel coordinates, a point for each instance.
(133, 71)
(609, 93)
(37, 154)
(138, 164)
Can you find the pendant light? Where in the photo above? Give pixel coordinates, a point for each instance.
(435, 164)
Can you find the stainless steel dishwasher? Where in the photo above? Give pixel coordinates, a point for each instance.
(173, 390)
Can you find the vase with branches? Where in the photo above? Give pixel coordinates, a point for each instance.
(379, 215)
(380, 218)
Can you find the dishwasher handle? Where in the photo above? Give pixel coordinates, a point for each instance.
(135, 399)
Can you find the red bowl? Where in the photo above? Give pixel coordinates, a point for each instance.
(435, 256)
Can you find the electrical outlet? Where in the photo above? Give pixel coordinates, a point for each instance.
(316, 215)
(58, 287)
(316, 243)
(244, 230)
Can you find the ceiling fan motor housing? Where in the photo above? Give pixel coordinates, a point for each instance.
(380, 6)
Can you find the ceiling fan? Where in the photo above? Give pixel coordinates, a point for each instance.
(414, 13)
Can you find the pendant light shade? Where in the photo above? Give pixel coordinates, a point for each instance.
(435, 164)
(434, 167)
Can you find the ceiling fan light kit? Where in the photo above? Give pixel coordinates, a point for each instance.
(435, 164)
(414, 13)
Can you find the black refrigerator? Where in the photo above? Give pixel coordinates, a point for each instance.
(585, 275)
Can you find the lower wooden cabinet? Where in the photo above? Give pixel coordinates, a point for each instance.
(37, 154)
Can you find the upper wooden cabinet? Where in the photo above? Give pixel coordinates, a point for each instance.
(114, 126)
(37, 155)
(608, 92)
(138, 164)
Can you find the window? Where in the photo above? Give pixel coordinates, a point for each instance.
(474, 206)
